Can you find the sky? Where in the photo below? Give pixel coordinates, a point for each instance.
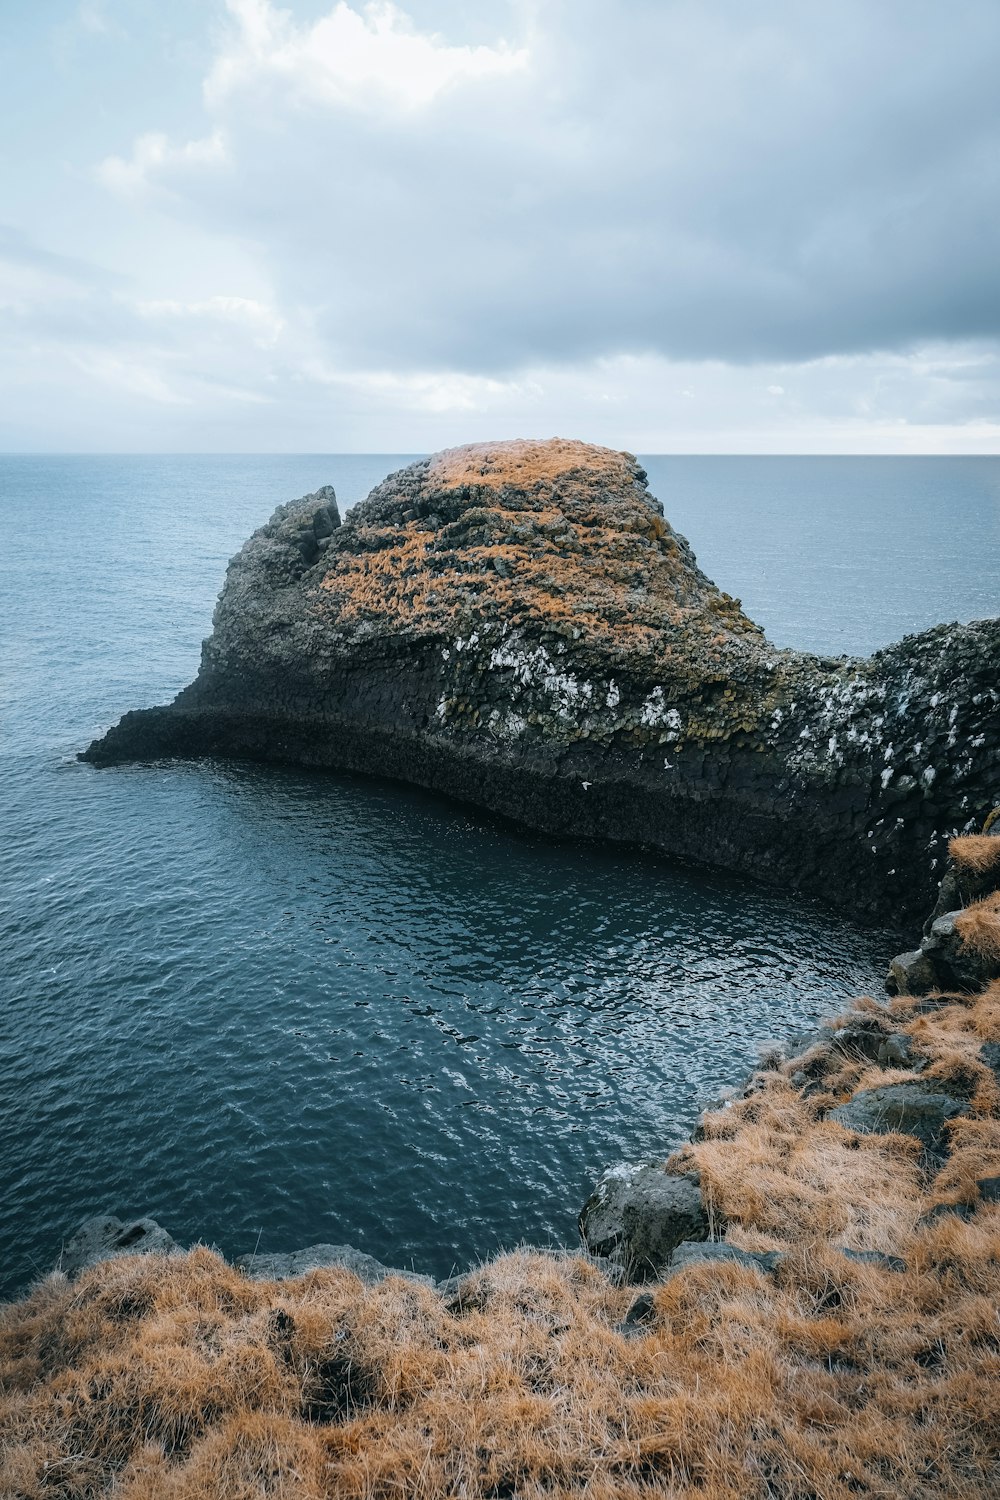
(698, 226)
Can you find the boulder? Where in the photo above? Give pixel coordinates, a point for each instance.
(956, 965)
(907, 1108)
(989, 1053)
(638, 1213)
(694, 1253)
(283, 1267)
(104, 1237)
(897, 1051)
(639, 1316)
(962, 1211)
(862, 1037)
(912, 973)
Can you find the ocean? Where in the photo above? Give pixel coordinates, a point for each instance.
(272, 1008)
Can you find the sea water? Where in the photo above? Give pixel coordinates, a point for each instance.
(271, 1007)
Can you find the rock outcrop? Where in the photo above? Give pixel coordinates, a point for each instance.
(516, 624)
(103, 1237)
(636, 1216)
(284, 1267)
(960, 948)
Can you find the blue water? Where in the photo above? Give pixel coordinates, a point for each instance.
(270, 1007)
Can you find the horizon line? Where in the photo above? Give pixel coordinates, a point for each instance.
(422, 453)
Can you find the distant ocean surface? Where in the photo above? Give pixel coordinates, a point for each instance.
(272, 1008)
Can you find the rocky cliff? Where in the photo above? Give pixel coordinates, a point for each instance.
(517, 625)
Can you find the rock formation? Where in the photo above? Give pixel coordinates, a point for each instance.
(960, 948)
(515, 624)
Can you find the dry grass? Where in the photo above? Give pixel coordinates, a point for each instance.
(978, 926)
(179, 1379)
(977, 853)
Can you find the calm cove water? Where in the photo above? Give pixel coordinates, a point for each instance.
(276, 1008)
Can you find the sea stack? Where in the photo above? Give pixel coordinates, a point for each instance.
(517, 625)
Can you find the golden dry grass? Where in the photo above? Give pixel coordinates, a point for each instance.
(170, 1380)
(978, 926)
(977, 853)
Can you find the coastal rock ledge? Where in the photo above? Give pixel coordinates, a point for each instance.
(515, 624)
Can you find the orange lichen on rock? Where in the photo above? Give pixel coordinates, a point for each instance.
(524, 534)
(526, 462)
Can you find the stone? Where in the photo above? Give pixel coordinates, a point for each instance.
(283, 1267)
(944, 1211)
(861, 1038)
(693, 1253)
(912, 974)
(104, 1237)
(639, 1316)
(989, 1189)
(638, 1213)
(598, 684)
(909, 1108)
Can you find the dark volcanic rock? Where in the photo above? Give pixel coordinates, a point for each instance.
(638, 1213)
(910, 1108)
(515, 624)
(693, 1253)
(878, 1258)
(946, 958)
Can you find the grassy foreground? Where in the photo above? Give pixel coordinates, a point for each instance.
(164, 1379)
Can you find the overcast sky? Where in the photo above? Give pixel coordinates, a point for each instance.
(667, 225)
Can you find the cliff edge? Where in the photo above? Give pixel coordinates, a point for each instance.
(516, 624)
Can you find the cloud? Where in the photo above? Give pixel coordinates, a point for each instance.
(776, 182)
(658, 224)
(262, 322)
(369, 58)
(154, 161)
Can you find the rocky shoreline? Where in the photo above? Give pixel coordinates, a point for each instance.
(800, 1302)
(645, 1221)
(517, 626)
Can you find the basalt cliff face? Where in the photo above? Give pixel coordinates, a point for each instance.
(517, 625)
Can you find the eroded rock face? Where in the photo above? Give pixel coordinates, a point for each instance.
(517, 625)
